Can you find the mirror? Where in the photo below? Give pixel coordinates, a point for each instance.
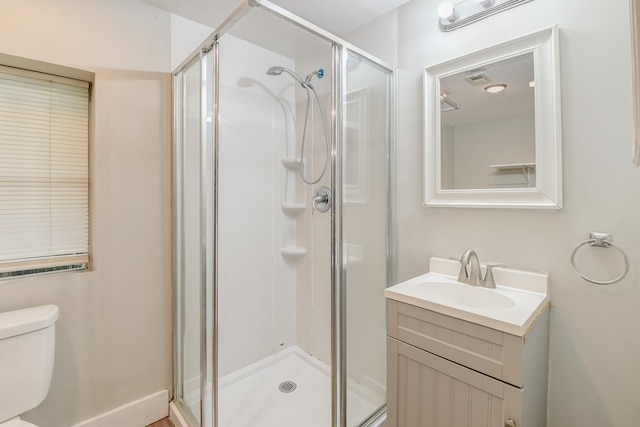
(492, 128)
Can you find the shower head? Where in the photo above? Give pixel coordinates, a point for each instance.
(276, 71)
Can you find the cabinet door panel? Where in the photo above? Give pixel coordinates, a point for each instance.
(486, 350)
(438, 393)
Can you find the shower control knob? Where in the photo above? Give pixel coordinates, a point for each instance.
(322, 199)
(509, 423)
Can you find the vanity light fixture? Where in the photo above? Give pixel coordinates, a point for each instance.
(453, 16)
(497, 88)
(447, 12)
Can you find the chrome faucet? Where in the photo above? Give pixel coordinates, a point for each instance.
(473, 275)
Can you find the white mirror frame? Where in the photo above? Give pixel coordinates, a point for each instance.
(547, 194)
(634, 8)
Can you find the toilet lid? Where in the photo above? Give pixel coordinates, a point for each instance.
(17, 423)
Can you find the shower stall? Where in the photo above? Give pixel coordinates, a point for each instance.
(283, 236)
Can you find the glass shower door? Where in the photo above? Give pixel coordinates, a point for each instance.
(188, 84)
(194, 162)
(273, 259)
(367, 265)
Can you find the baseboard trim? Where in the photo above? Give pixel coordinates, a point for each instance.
(139, 413)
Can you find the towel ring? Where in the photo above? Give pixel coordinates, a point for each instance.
(602, 240)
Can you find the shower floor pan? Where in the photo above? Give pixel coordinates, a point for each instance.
(256, 395)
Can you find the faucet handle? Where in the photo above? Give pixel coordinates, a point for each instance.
(495, 265)
(489, 281)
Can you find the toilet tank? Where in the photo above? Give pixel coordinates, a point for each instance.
(27, 348)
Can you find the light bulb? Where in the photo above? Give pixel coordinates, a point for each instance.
(495, 88)
(447, 11)
(485, 3)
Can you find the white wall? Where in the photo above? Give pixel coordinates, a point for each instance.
(477, 146)
(113, 338)
(314, 228)
(595, 376)
(256, 288)
(379, 38)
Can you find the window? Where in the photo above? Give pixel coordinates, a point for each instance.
(44, 172)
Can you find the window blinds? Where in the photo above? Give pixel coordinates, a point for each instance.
(44, 171)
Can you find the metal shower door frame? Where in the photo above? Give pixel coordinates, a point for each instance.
(209, 215)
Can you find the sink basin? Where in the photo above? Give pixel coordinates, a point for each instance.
(512, 307)
(462, 295)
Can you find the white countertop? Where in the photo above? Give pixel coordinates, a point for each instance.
(512, 307)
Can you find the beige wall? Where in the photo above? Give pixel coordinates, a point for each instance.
(595, 376)
(114, 332)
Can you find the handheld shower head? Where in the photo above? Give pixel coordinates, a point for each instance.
(277, 70)
(306, 84)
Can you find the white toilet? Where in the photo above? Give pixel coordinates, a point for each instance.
(27, 348)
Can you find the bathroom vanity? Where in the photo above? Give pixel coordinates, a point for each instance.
(463, 356)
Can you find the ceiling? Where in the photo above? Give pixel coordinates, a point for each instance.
(336, 16)
(478, 106)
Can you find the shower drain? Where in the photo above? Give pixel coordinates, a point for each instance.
(287, 386)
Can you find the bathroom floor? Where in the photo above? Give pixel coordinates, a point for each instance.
(162, 423)
(252, 396)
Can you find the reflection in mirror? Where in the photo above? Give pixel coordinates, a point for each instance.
(493, 135)
(355, 146)
(488, 126)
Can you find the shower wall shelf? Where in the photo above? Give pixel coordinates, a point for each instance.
(294, 196)
(291, 163)
(293, 252)
(294, 208)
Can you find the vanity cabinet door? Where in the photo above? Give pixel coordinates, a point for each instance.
(425, 390)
